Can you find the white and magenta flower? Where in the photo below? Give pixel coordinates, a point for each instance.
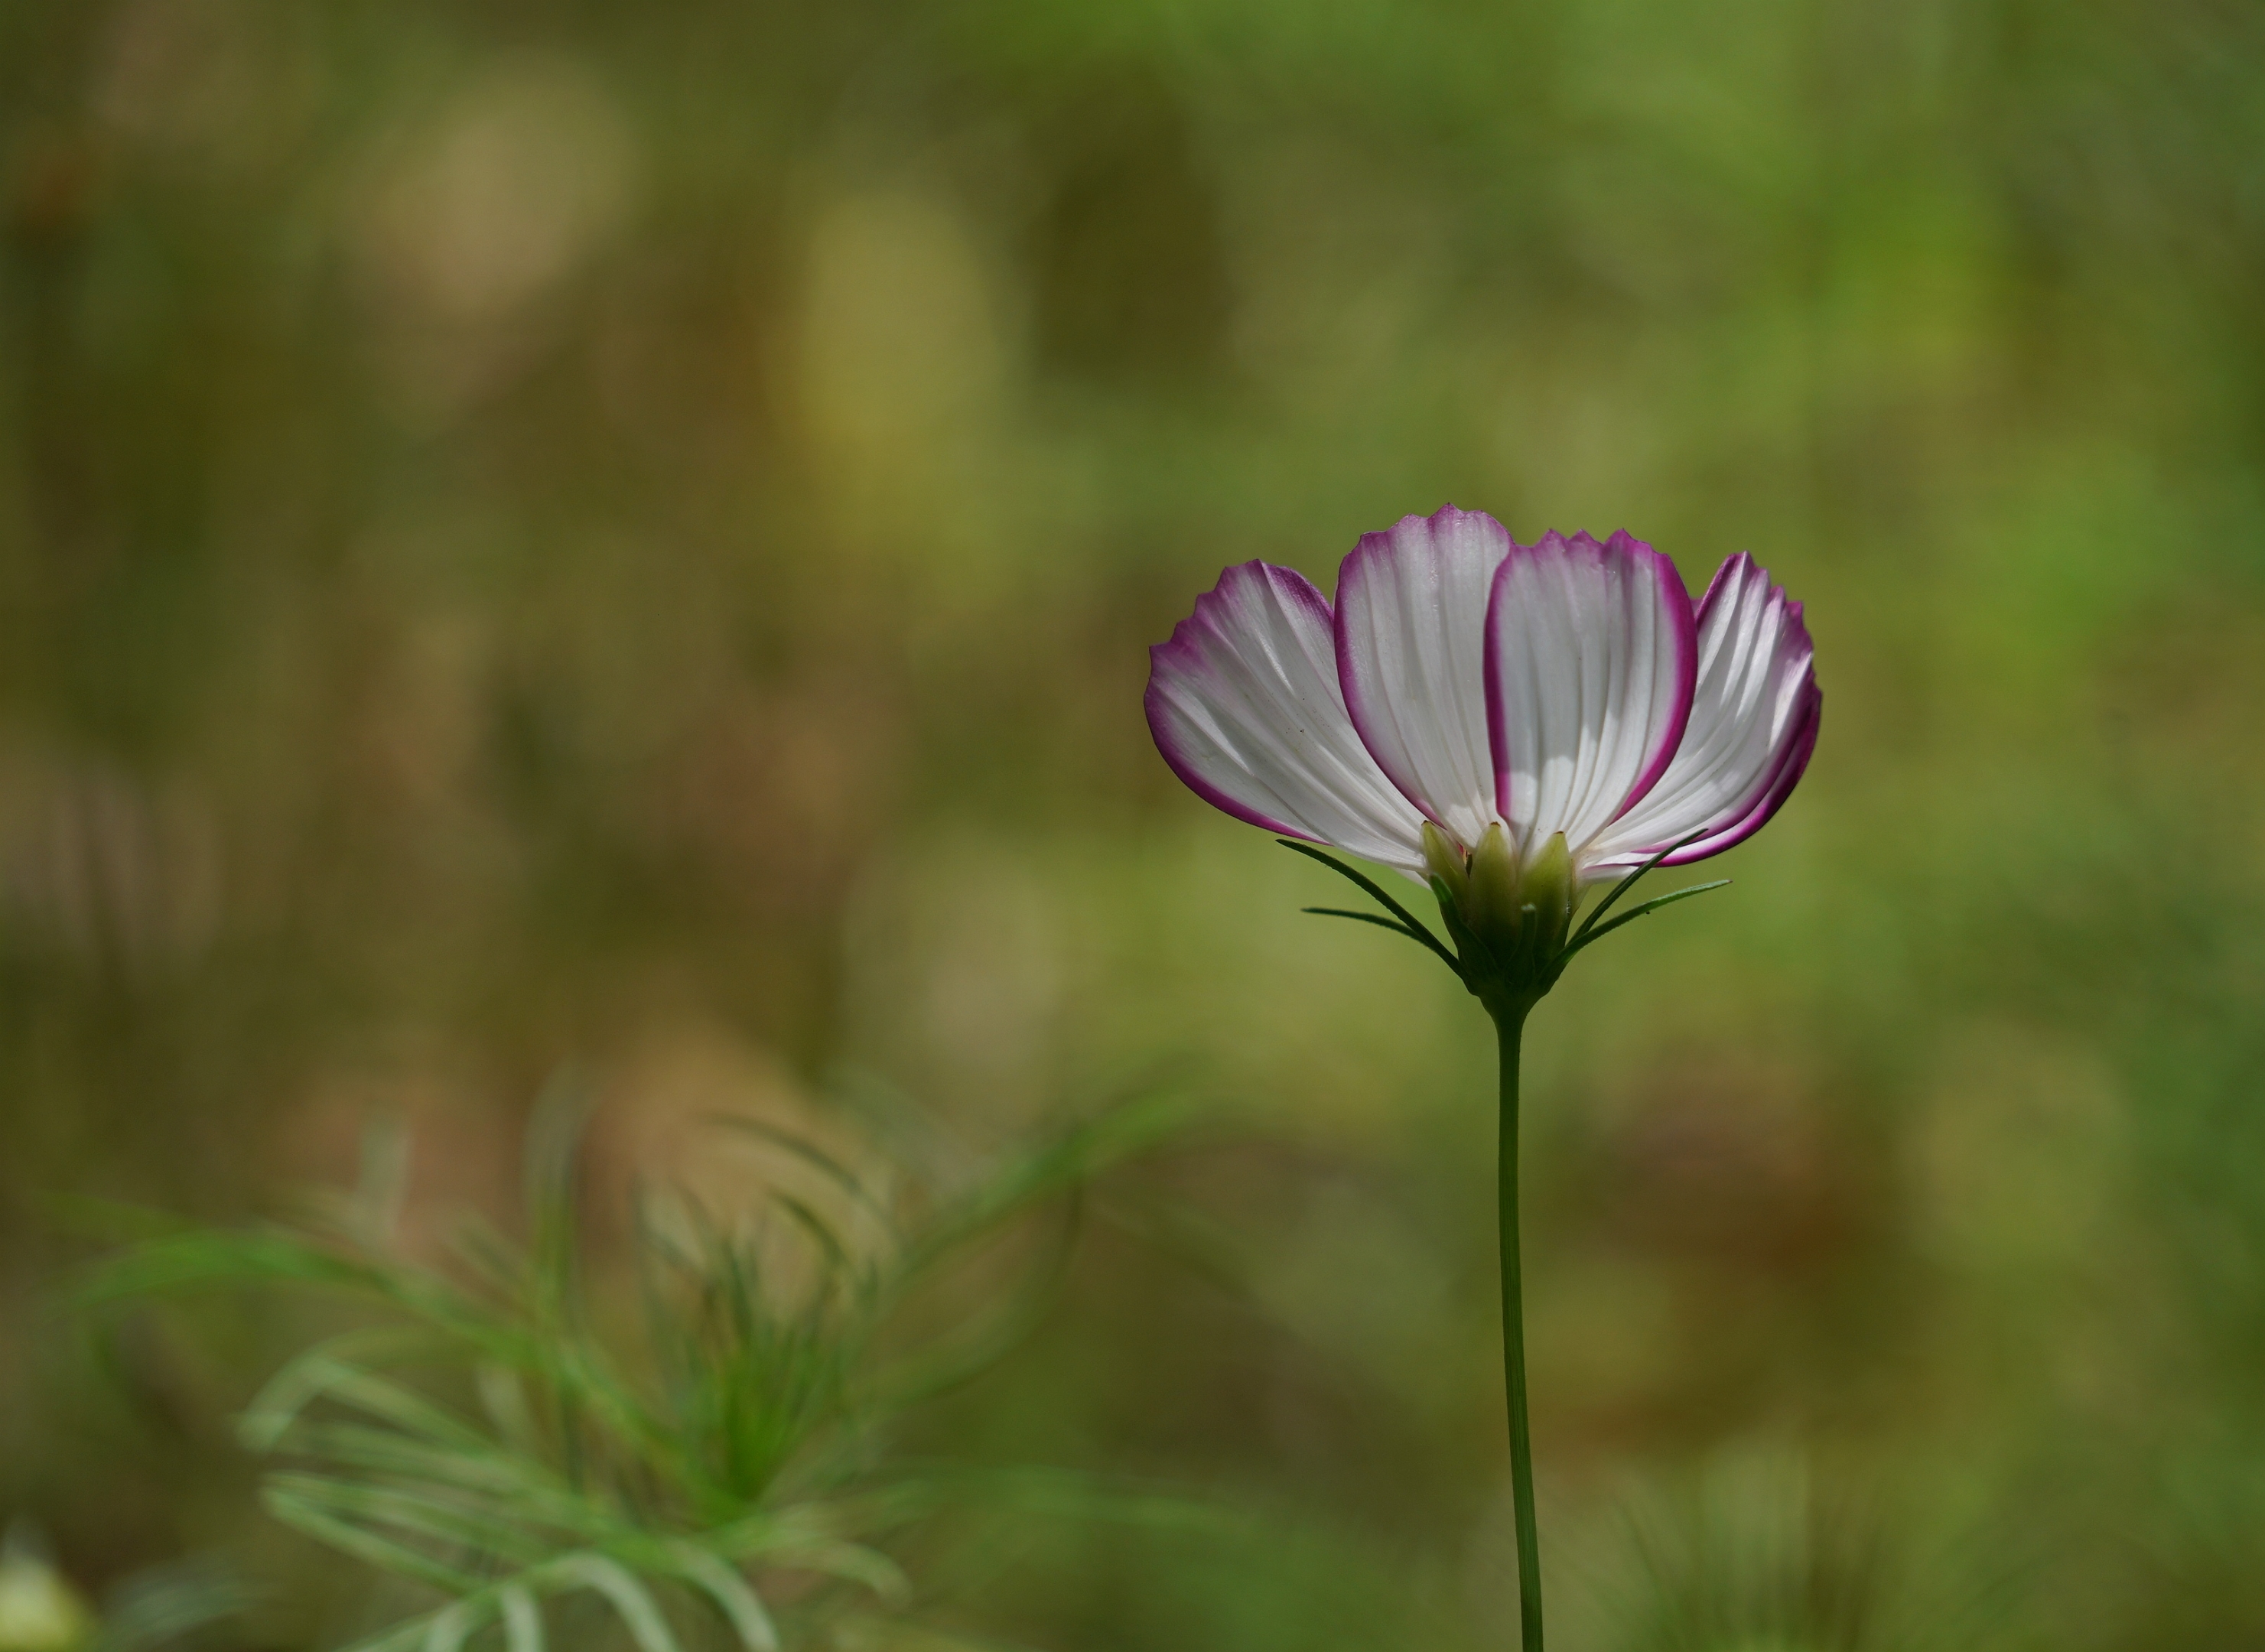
(1467, 680)
(1506, 722)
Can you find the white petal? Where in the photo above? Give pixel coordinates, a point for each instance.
(1244, 705)
(1590, 661)
(1411, 652)
(1753, 721)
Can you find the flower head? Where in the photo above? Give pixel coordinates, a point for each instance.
(1468, 703)
(1504, 722)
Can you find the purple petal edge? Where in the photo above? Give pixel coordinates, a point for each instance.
(1687, 655)
(1490, 682)
(1180, 650)
(1765, 797)
(1378, 543)
(1789, 774)
(1776, 784)
(1739, 559)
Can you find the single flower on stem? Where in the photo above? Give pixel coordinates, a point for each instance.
(1511, 725)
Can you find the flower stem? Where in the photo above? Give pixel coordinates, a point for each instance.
(1510, 1025)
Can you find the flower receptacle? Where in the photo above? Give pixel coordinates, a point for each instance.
(1509, 913)
(1490, 902)
(1444, 861)
(1547, 894)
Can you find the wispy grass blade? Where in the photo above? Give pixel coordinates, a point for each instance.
(203, 1258)
(503, 1396)
(510, 1485)
(812, 1155)
(450, 1629)
(854, 1563)
(522, 1620)
(166, 1604)
(832, 1251)
(810, 1538)
(320, 1373)
(385, 1555)
(738, 1603)
(442, 1521)
(629, 1598)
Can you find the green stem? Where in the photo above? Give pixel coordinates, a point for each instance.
(1510, 1026)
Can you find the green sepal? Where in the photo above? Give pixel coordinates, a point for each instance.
(1368, 886)
(1427, 942)
(1509, 922)
(1444, 861)
(1634, 912)
(1545, 889)
(1477, 961)
(1492, 902)
(1621, 888)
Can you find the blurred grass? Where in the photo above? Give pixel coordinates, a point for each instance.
(719, 1475)
(629, 533)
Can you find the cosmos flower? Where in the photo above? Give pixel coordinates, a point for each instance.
(1463, 682)
(1504, 722)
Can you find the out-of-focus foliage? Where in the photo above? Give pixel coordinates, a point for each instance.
(627, 533)
(745, 1431)
(163, 1606)
(39, 1612)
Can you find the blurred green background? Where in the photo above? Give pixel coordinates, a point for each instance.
(627, 535)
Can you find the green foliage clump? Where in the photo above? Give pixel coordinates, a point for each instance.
(715, 1466)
